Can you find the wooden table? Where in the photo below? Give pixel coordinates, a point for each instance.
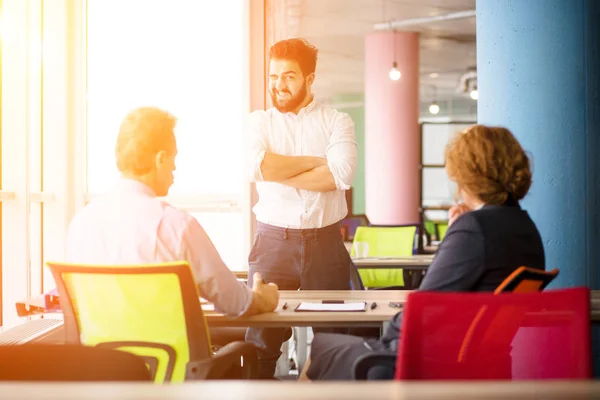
(255, 390)
(382, 297)
(416, 262)
(283, 318)
(289, 317)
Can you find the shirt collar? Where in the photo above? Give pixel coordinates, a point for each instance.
(309, 107)
(135, 186)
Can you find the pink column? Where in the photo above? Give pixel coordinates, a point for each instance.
(392, 135)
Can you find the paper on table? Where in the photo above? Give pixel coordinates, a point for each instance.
(355, 306)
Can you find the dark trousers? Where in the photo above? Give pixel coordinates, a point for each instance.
(308, 259)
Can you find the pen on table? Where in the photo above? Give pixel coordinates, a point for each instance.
(373, 306)
(284, 306)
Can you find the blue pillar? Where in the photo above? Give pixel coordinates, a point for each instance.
(538, 66)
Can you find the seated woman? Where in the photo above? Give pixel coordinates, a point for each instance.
(489, 236)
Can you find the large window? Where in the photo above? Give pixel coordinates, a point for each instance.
(71, 70)
(437, 189)
(189, 58)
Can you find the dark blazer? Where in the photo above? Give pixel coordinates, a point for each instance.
(481, 248)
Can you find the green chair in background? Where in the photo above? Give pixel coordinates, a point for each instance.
(430, 230)
(430, 227)
(397, 241)
(152, 311)
(441, 228)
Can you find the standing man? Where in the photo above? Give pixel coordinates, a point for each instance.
(302, 156)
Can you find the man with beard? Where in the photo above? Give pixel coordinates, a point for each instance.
(302, 156)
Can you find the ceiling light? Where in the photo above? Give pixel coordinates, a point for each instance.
(434, 108)
(468, 83)
(434, 75)
(395, 73)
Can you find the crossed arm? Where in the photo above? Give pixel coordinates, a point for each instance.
(335, 171)
(300, 172)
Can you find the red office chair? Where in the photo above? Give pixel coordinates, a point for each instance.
(515, 336)
(522, 280)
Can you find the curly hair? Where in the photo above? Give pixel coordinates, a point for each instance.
(489, 163)
(143, 133)
(296, 49)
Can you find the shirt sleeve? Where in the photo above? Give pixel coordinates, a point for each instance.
(255, 143)
(460, 260)
(342, 152)
(216, 282)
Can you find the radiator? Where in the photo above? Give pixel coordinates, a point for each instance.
(46, 331)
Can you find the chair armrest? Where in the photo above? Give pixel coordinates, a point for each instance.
(384, 360)
(227, 363)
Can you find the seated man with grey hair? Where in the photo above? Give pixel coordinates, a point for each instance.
(132, 226)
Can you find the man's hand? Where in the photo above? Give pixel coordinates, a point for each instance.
(456, 211)
(266, 294)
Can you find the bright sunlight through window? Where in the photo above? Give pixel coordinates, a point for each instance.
(187, 57)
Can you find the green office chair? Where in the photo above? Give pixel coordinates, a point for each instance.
(430, 228)
(397, 241)
(441, 228)
(152, 311)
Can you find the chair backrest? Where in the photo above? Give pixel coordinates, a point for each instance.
(394, 241)
(351, 223)
(522, 280)
(43, 362)
(430, 228)
(150, 310)
(542, 335)
(441, 228)
(526, 280)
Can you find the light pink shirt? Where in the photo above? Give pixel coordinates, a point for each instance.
(132, 226)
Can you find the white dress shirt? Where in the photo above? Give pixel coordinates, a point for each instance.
(132, 226)
(317, 130)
